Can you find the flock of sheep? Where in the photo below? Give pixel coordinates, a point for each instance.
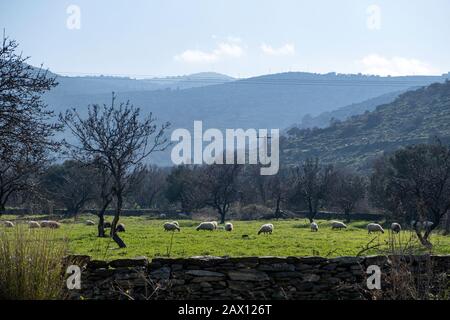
(268, 227)
(35, 224)
(213, 225)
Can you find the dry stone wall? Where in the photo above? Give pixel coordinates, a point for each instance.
(242, 278)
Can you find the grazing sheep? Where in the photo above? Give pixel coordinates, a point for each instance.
(216, 225)
(176, 223)
(33, 224)
(120, 227)
(8, 224)
(374, 227)
(314, 227)
(170, 226)
(107, 225)
(421, 225)
(427, 224)
(50, 224)
(222, 228)
(338, 225)
(266, 228)
(210, 226)
(162, 216)
(228, 226)
(90, 223)
(396, 227)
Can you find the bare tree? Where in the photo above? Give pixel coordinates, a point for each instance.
(149, 192)
(69, 184)
(220, 187)
(313, 185)
(26, 130)
(280, 188)
(116, 135)
(347, 190)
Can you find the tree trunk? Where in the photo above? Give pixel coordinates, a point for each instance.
(115, 221)
(101, 224)
(222, 216)
(101, 219)
(347, 215)
(277, 208)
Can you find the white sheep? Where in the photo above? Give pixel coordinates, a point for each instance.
(228, 226)
(266, 228)
(120, 227)
(396, 227)
(338, 225)
(314, 226)
(427, 224)
(176, 223)
(8, 224)
(33, 224)
(210, 226)
(170, 226)
(421, 225)
(50, 224)
(216, 225)
(90, 223)
(374, 227)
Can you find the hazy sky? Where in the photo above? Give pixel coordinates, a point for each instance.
(237, 37)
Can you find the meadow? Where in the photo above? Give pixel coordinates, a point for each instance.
(145, 236)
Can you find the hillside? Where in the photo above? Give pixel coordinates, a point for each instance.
(414, 117)
(324, 119)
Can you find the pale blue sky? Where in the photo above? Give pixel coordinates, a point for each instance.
(237, 37)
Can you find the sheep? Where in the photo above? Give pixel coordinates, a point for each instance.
(8, 224)
(33, 224)
(90, 223)
(338, 225)
(50, 224)
(266, 228)
(396, 227)
(421, 225)
(216, 225)
(374, 227)
(228, 226)
(170, 226)
(427, 224)
(176, 223)
(210, 226)
(120, 227)
(162, 216)
(314, 227)
(221, 228)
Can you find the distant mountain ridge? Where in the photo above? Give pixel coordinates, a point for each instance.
(271, 101)
(84, 85)
(417, 116)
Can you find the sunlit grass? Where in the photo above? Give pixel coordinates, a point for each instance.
(146, 237)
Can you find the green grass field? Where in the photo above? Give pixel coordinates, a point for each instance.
(146, 237)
